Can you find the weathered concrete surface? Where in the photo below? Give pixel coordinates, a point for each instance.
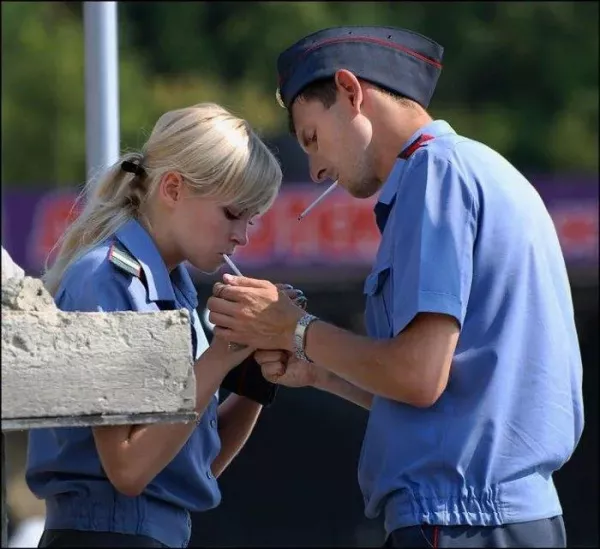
(25, 294)
(62, 364)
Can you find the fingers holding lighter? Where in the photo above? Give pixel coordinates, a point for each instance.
(296, 295)
(241, 323)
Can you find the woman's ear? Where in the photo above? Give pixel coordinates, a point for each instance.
(170, 188)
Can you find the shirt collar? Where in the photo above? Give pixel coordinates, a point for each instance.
(182, 279)
(436, 128)
(159, 283)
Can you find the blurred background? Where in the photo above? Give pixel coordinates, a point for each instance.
(520, 76)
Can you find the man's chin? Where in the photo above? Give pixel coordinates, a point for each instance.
(362, 191)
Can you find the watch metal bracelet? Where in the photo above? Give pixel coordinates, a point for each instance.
(300, 336)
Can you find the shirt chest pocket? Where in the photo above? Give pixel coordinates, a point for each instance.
(378, 290)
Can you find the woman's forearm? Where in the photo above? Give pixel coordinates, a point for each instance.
(237, 418)
(133, 455)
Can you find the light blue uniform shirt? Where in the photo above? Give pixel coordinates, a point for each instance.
(63, 464)
(466, 235)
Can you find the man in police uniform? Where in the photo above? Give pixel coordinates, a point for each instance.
(472, 370)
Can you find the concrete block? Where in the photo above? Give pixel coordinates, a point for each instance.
(73, 364)
(26, 294)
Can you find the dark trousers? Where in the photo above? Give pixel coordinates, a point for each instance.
(81, 538)
(538, 533)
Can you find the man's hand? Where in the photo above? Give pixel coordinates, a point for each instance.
(253, 312)
(284, 368)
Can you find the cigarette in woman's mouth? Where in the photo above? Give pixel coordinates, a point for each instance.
(232, 265)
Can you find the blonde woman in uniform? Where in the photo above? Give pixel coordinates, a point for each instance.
(188, 195)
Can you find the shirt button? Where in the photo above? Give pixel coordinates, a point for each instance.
(213, 423)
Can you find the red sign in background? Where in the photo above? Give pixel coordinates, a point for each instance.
(341, 230)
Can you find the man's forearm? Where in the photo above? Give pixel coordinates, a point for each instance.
(412, 367)
(335, 385)
(367, 363)
(237, 418)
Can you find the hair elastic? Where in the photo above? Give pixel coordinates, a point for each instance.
(132, 167)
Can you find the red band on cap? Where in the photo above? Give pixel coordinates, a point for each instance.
(378, 41)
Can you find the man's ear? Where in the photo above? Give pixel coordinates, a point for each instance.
(349, 87)
(170, 188)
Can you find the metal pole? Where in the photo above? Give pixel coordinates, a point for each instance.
(101, 85)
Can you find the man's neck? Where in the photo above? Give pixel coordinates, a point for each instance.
(395, 125)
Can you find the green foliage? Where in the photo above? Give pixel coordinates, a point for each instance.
(43, 99)
(42, 103)
(519, 76)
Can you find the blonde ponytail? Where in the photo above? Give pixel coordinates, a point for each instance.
(110, 202)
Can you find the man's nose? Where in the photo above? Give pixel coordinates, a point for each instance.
(317, 174)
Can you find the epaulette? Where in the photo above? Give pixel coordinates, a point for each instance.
(124, 260)
(414, 146)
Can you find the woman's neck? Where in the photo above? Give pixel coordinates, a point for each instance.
(163, 244)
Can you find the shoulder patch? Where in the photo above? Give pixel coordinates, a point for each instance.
(415, 145)
(124, 260)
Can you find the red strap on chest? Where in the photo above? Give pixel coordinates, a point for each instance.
(416, 144)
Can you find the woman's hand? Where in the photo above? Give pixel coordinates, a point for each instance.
(228, 354)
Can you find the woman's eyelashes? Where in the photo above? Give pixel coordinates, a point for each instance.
(232, 216)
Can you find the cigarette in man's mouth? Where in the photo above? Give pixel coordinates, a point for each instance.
(325, 193)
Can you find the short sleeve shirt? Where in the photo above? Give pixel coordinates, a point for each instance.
(65, 460)
(464, 234)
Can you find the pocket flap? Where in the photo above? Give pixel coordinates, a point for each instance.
(375, 281)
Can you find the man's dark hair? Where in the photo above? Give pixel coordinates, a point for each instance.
(325, 91)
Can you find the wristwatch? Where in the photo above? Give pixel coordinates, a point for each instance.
(300, 336)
